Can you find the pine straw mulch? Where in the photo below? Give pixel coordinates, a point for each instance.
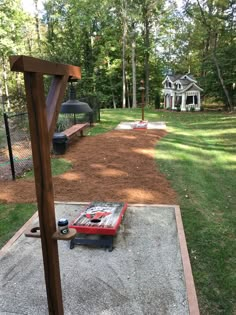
(115, 166)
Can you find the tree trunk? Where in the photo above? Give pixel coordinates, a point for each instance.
(134, 102)
(112, 89)
(5, 94)
(113, 100)
(18, 85)
(214, 58)
(113, 96)
(125, 26)
(37, 24)
(128, 93)
(146, 58)
(230, 105)
(1, 96)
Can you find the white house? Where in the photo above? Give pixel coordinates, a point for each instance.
(181, 91)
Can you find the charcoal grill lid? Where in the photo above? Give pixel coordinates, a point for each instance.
(74, 106)
(59, 136)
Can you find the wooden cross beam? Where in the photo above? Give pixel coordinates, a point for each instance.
(43, 114)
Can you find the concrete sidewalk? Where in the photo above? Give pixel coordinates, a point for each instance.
(147, 273)
(127, 125)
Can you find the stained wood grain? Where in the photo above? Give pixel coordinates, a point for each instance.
(29, 64)
(43, 113)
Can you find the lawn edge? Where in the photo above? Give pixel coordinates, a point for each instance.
(190, 286)
(11, 241)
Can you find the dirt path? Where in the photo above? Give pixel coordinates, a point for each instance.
(115, 166)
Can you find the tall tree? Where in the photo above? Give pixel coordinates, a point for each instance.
(213, 20)
(12, 38)
(37, 25)
(209, 20)
(133, 45)
(124, 43)
(150, 14)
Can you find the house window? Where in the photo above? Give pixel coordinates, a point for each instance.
(193, 99)
(189, 100)
(170, 84)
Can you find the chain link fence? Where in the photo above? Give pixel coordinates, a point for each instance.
(18, 149)
(67, 120)
(15, 144)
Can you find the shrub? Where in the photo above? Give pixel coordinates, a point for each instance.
(64, 121)
(157, 101)
(178, 107)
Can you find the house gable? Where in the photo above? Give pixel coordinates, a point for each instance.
(168, 82)
(192, 87)
(171, 78)
(181, 84)
(189, 77)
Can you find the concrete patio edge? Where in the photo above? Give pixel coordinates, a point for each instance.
(18, 233)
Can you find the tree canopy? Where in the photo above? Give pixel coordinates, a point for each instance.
(118, 43)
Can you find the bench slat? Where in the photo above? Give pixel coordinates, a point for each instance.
(74, 129)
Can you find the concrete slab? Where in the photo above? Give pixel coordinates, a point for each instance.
(148, 272)
(127, 125)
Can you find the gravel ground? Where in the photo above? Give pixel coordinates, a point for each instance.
(143, 275)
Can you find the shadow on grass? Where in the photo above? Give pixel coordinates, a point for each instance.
(203, 175)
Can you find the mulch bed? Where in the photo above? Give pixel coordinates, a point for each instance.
(115, 166)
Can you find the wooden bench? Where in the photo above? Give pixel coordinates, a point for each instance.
(75, 129)
(61, 139)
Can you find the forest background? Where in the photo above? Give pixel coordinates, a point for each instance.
(118, 43)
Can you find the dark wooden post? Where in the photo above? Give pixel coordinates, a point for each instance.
(42, 119)
(8, 134)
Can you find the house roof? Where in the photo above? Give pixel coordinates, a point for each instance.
(192, 87)
(174, 78)
(189, 76)
(186, 77)
(186, 80)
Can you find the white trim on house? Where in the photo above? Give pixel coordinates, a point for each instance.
(181, 91)
(167, 78)
(187, 77)
(192, 85)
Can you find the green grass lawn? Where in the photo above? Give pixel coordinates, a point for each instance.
(58, 166)
(198, 157)
(12, 217)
